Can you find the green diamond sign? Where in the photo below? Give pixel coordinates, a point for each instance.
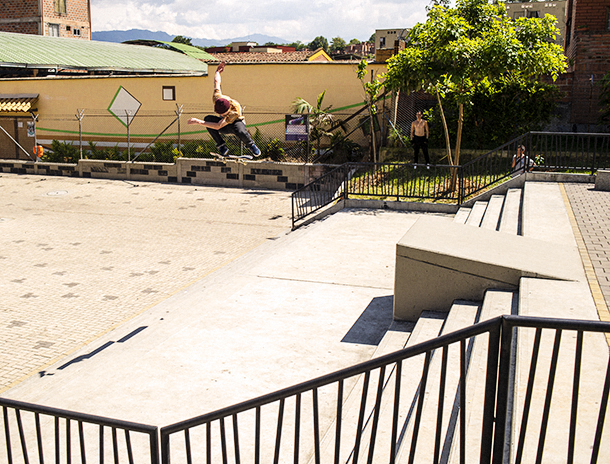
(124, 106)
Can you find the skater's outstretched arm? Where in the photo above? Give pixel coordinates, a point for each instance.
(217, 78)
(210, 125)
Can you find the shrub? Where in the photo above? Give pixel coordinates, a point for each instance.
(62, 152)
(275, 150)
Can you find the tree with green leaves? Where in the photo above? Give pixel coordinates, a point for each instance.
(337, 45)
(318, 42)
(298, 45)
(604, 99)
(473, 44)
(371, 90)
(182, 40)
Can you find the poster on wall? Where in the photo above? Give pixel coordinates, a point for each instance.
(297, 128)
(31, 129)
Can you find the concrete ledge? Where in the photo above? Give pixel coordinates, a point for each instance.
(438, 261)
(602, 180)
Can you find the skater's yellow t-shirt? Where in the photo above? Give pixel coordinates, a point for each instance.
(234, 113)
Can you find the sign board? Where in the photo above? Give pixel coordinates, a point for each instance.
(124, 106)
(297, 127)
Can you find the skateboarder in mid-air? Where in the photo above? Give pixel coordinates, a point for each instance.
(229, 120)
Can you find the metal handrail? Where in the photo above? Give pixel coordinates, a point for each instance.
(401, 431)
(560, 150)
(19, 422)
(496, 423)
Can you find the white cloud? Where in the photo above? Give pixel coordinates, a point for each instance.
(218, 19)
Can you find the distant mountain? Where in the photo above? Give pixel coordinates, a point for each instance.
(135, 34)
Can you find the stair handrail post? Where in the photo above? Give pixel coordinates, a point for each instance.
(501, 440)
(460, 184)
(346, 169)
(593, 160)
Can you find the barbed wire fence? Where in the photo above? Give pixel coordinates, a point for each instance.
(162, 137)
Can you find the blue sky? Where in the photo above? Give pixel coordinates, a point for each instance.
(290, 20)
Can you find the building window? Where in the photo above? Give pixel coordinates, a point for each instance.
(169, 93)
(54, 30)
(381, 42)
(76, 31)
(60, 6)
(533, 14)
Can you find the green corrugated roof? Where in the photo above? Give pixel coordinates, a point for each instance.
(35, 51)
(195, 52)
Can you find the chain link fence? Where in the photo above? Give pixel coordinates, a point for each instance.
(162, 137)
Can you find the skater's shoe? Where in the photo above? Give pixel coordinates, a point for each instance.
(223, 150)
(255, 150)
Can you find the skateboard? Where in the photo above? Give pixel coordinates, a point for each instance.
(241, 158)
(238, 158)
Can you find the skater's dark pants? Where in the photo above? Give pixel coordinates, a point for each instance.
(420, 142)
(238, 128)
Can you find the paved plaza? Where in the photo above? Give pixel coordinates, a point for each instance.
(79, 257)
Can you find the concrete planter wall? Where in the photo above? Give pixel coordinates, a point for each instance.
(195, 171)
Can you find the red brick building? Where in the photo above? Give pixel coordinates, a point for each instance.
(61, 18)
(587, 47)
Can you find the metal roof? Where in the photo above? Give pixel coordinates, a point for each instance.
(17, 102)
(44, 52)
(189, 50)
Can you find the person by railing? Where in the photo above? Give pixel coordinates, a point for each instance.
(521, 162)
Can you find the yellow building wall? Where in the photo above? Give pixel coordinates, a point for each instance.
(265, 90)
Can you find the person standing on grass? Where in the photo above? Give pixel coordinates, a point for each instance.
(419, 137)
(228, 119)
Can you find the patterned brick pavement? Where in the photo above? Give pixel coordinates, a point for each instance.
(80, 256)
(591, 211)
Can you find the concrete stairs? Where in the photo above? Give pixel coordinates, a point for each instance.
(500, 212)
(518, 212)
(429, 326)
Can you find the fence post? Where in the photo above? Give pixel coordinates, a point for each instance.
(489, 408)
(460, 184)
(594, 157)
(178, 114)
(504, 386)
(127, 114)
(80, 114)
(346, 181)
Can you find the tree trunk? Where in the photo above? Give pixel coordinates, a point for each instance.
(446, 129)
(373, 145)
(458, 143)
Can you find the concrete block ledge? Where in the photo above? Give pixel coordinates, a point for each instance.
(439, 261)
(602, 180)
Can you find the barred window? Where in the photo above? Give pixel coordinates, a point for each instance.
(60, 6)
(54, 30)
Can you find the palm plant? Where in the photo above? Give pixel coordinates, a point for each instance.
(320, 118)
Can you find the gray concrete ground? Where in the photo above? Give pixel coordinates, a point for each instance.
(157, 292)
(79, 257)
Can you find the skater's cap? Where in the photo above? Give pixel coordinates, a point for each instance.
(222, 105)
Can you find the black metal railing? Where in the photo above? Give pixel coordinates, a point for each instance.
(35, 433)
(460, 397)
(445, 183)
(425, 401)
